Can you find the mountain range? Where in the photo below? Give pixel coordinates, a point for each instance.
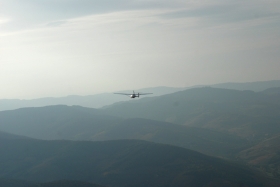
(104, 99)
(248, 114)
(240, 128)
(119, 163)
(59, 183)
(78, 123)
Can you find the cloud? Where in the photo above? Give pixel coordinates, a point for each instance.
(56, 23)
(31, 13)
(226, 12)
(3, 21)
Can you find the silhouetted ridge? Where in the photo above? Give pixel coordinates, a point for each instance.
(66, 183)
(59, 122)
(4, 135)
(225, 123)
(272, 91)
(254, 86)
(121, 163)
(244, 113)
(15, 183)
(54, 122)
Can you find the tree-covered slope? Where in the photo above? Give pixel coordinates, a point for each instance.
(253, 86)
(244, 113)
(55, 122)
(92, 101)
(251, 115)
(217, 122)
(15, 183)
(120, 163)
(103, 99)
(9, 136)
(203, 140)
(77, 123)
(66, 183)
(264, 155)
(275, 91)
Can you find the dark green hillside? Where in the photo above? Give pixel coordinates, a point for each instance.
(77, 123)
(14, 183)
(55, 122)
(198, 139)
(103, 99)
(4, 135)
(66, 183)
(254, 86)
(60, 183)
(91, 101)
(272, 91)
(264, 155)
(120, 163)
(244, 113)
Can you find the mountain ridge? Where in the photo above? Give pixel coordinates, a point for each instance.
(77, 123)
(120, 163)
(215, 108)
(214, 121)
(104, 99)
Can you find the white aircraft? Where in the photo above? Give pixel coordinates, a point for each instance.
(133, 95)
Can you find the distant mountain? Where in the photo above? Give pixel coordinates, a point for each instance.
(4, 135)
(264, 155)
(253, 116)
(104, 99)
(253, 86)
(91, 101)
(203, 140)
(14, 182)
(122, 163)
(275, 91)
(219, 122)
(66, 183)
(78, 123)
(244, 113)
(59, 183)
(55, 122)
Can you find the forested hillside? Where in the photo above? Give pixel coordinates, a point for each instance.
(247, 114)
(242, 126)
(120, 163)
(77, 123)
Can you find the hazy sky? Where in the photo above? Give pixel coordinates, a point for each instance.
(82, 47)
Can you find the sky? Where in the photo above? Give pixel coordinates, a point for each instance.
(55, 48)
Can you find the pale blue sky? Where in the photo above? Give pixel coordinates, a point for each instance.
(82, 47)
